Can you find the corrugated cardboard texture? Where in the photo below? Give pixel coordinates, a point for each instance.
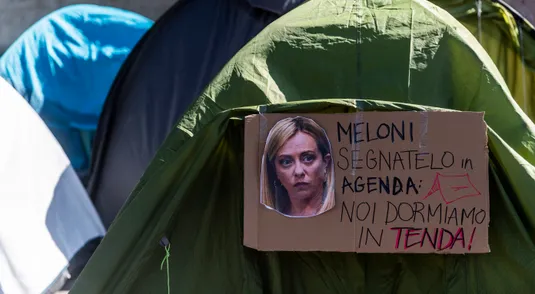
(435, 199)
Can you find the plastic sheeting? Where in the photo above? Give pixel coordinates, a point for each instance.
(46, 216)
(407, 55)
(64, 66)
(165, 73)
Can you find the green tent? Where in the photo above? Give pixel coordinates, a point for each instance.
(509, 40)
(324, 56)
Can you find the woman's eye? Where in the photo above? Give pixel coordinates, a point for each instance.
(308, 158)
(285, 162)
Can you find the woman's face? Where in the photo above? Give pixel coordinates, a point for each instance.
(300, 167)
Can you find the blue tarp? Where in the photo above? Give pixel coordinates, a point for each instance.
(65, 64)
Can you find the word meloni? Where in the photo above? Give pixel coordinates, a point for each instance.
(357, 132)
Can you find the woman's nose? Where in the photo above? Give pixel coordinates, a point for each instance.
(299, 171)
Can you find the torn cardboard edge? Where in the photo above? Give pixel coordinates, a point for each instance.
(392, 195)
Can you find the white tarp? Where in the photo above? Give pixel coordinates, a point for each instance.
(45, 213)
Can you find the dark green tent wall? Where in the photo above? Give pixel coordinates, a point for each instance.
(324, 56)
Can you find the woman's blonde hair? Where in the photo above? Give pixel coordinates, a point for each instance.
(277, 197)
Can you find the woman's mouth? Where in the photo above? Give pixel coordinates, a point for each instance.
(300, 184)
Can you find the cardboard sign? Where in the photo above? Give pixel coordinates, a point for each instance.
(403, 182)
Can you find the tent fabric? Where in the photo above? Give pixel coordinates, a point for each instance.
(173, 64)
(509, 40)
(165, 73)
(64, 66)
(328, 57)
(46, 216)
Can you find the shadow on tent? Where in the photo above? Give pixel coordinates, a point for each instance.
(68, 220)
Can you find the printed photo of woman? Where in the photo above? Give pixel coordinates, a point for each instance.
(297, 175)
